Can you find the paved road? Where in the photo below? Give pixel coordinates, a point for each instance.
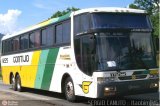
(32, 97)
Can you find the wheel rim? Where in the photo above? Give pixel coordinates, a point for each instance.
(18, 85)
(13, 81)
(69, 89)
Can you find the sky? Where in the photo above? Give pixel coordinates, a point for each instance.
(16, 15)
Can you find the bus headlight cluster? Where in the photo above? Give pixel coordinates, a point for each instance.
(104, 79)
(154, 76)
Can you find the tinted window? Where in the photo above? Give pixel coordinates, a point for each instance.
(7, 46)
(84, 22)
(76, 24)
(37, 39)
(50, 36)
(66, 32)
(85, 54)
(10, 45)
(44, 37)
(24, 42)
(3, 47)
(59, 33)
(106, 20)
(81, 23)
(16, 44)
(77, 45)
(47, 36)
(31, 40)
(34, 39)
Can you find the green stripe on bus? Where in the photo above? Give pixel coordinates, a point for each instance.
(64, 17)
(41, 67)
(54, 20)
(47, 76)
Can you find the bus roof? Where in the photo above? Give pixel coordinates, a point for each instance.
(110, 9)
(90, 10)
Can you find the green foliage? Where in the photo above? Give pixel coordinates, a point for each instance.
(155, 22)
(0, 74)
(152, 7)
(61, 13)
(133, 6)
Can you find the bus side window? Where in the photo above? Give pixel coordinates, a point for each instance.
(16, 44)
(3, 47)
(43, 37)
(59, 33)
(34, 39)
(66, 31)
(47, 36)
(24, 42)
(37, 39)
(84, 22)
(50, 35)
(10, 45)
(78, 52)
(7, 46)
(76, 25)
(81, 23)
(31, 40)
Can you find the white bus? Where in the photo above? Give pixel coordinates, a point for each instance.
(96, 53)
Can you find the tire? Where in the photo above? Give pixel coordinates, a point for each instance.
(13, 83)
(69, 90)
(18, 83)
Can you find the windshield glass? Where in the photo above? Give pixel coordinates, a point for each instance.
(120, 20)
(119, 51)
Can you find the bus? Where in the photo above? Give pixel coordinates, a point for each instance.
(95, 53)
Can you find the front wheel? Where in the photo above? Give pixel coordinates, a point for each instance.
(69, 90)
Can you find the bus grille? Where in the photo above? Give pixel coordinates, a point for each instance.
(133, 77)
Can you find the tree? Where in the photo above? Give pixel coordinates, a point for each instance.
(61, 13)
(152, 7)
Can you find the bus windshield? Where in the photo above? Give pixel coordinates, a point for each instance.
(119, 20)
(113, 41)
(119, 51)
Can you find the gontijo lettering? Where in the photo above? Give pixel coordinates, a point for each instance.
(21, 59)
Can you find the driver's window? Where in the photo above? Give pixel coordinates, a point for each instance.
(88, 54)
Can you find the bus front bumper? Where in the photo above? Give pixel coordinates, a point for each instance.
(127, 88)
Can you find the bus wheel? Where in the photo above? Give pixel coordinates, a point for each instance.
(69, 90)
(13, 83)
(18, 83)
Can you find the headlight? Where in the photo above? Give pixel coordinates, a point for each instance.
(154, 72)
(153, 76)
